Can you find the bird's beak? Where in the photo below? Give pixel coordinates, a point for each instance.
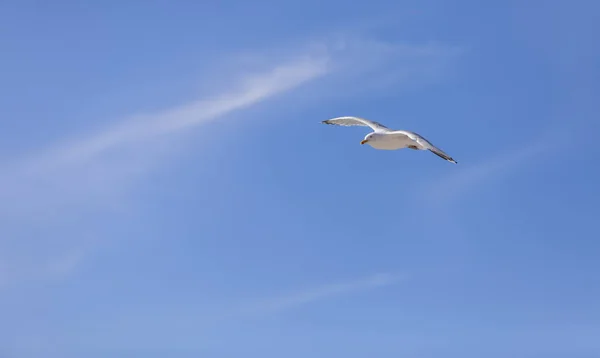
(363, 141)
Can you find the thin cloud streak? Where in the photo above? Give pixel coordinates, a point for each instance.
(77, 169)
(251, 90)
(206, 318)
(446, 189)
(452, 186)
(18, 269)
(321, 293)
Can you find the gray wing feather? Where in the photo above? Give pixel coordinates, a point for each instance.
(356, 121)
(425, 144)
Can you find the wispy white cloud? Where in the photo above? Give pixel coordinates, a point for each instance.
(36, 266)
(206, 318)
(449, 187)
(249, 90)
(324, 292)
(76, 168)
(446, 189)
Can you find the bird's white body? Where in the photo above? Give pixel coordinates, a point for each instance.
(384, 138)
(389, 142)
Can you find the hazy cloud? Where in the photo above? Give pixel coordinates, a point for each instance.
(324, 292)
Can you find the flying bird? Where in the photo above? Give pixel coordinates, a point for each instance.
(388, 139)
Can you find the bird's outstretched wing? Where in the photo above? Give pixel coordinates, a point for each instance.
(425, 144)
(357, 121)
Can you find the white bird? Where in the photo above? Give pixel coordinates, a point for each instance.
(388, 139)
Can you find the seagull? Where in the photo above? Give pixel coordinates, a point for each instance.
(388, 139)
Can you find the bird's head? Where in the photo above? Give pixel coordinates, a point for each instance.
(368, 137)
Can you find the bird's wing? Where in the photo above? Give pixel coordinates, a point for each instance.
(357, 121)
(425, 144)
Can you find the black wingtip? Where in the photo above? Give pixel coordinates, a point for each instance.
(444, 157)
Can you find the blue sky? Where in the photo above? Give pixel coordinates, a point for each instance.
(167, 188)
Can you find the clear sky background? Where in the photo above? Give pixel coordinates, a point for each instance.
(167, 188)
